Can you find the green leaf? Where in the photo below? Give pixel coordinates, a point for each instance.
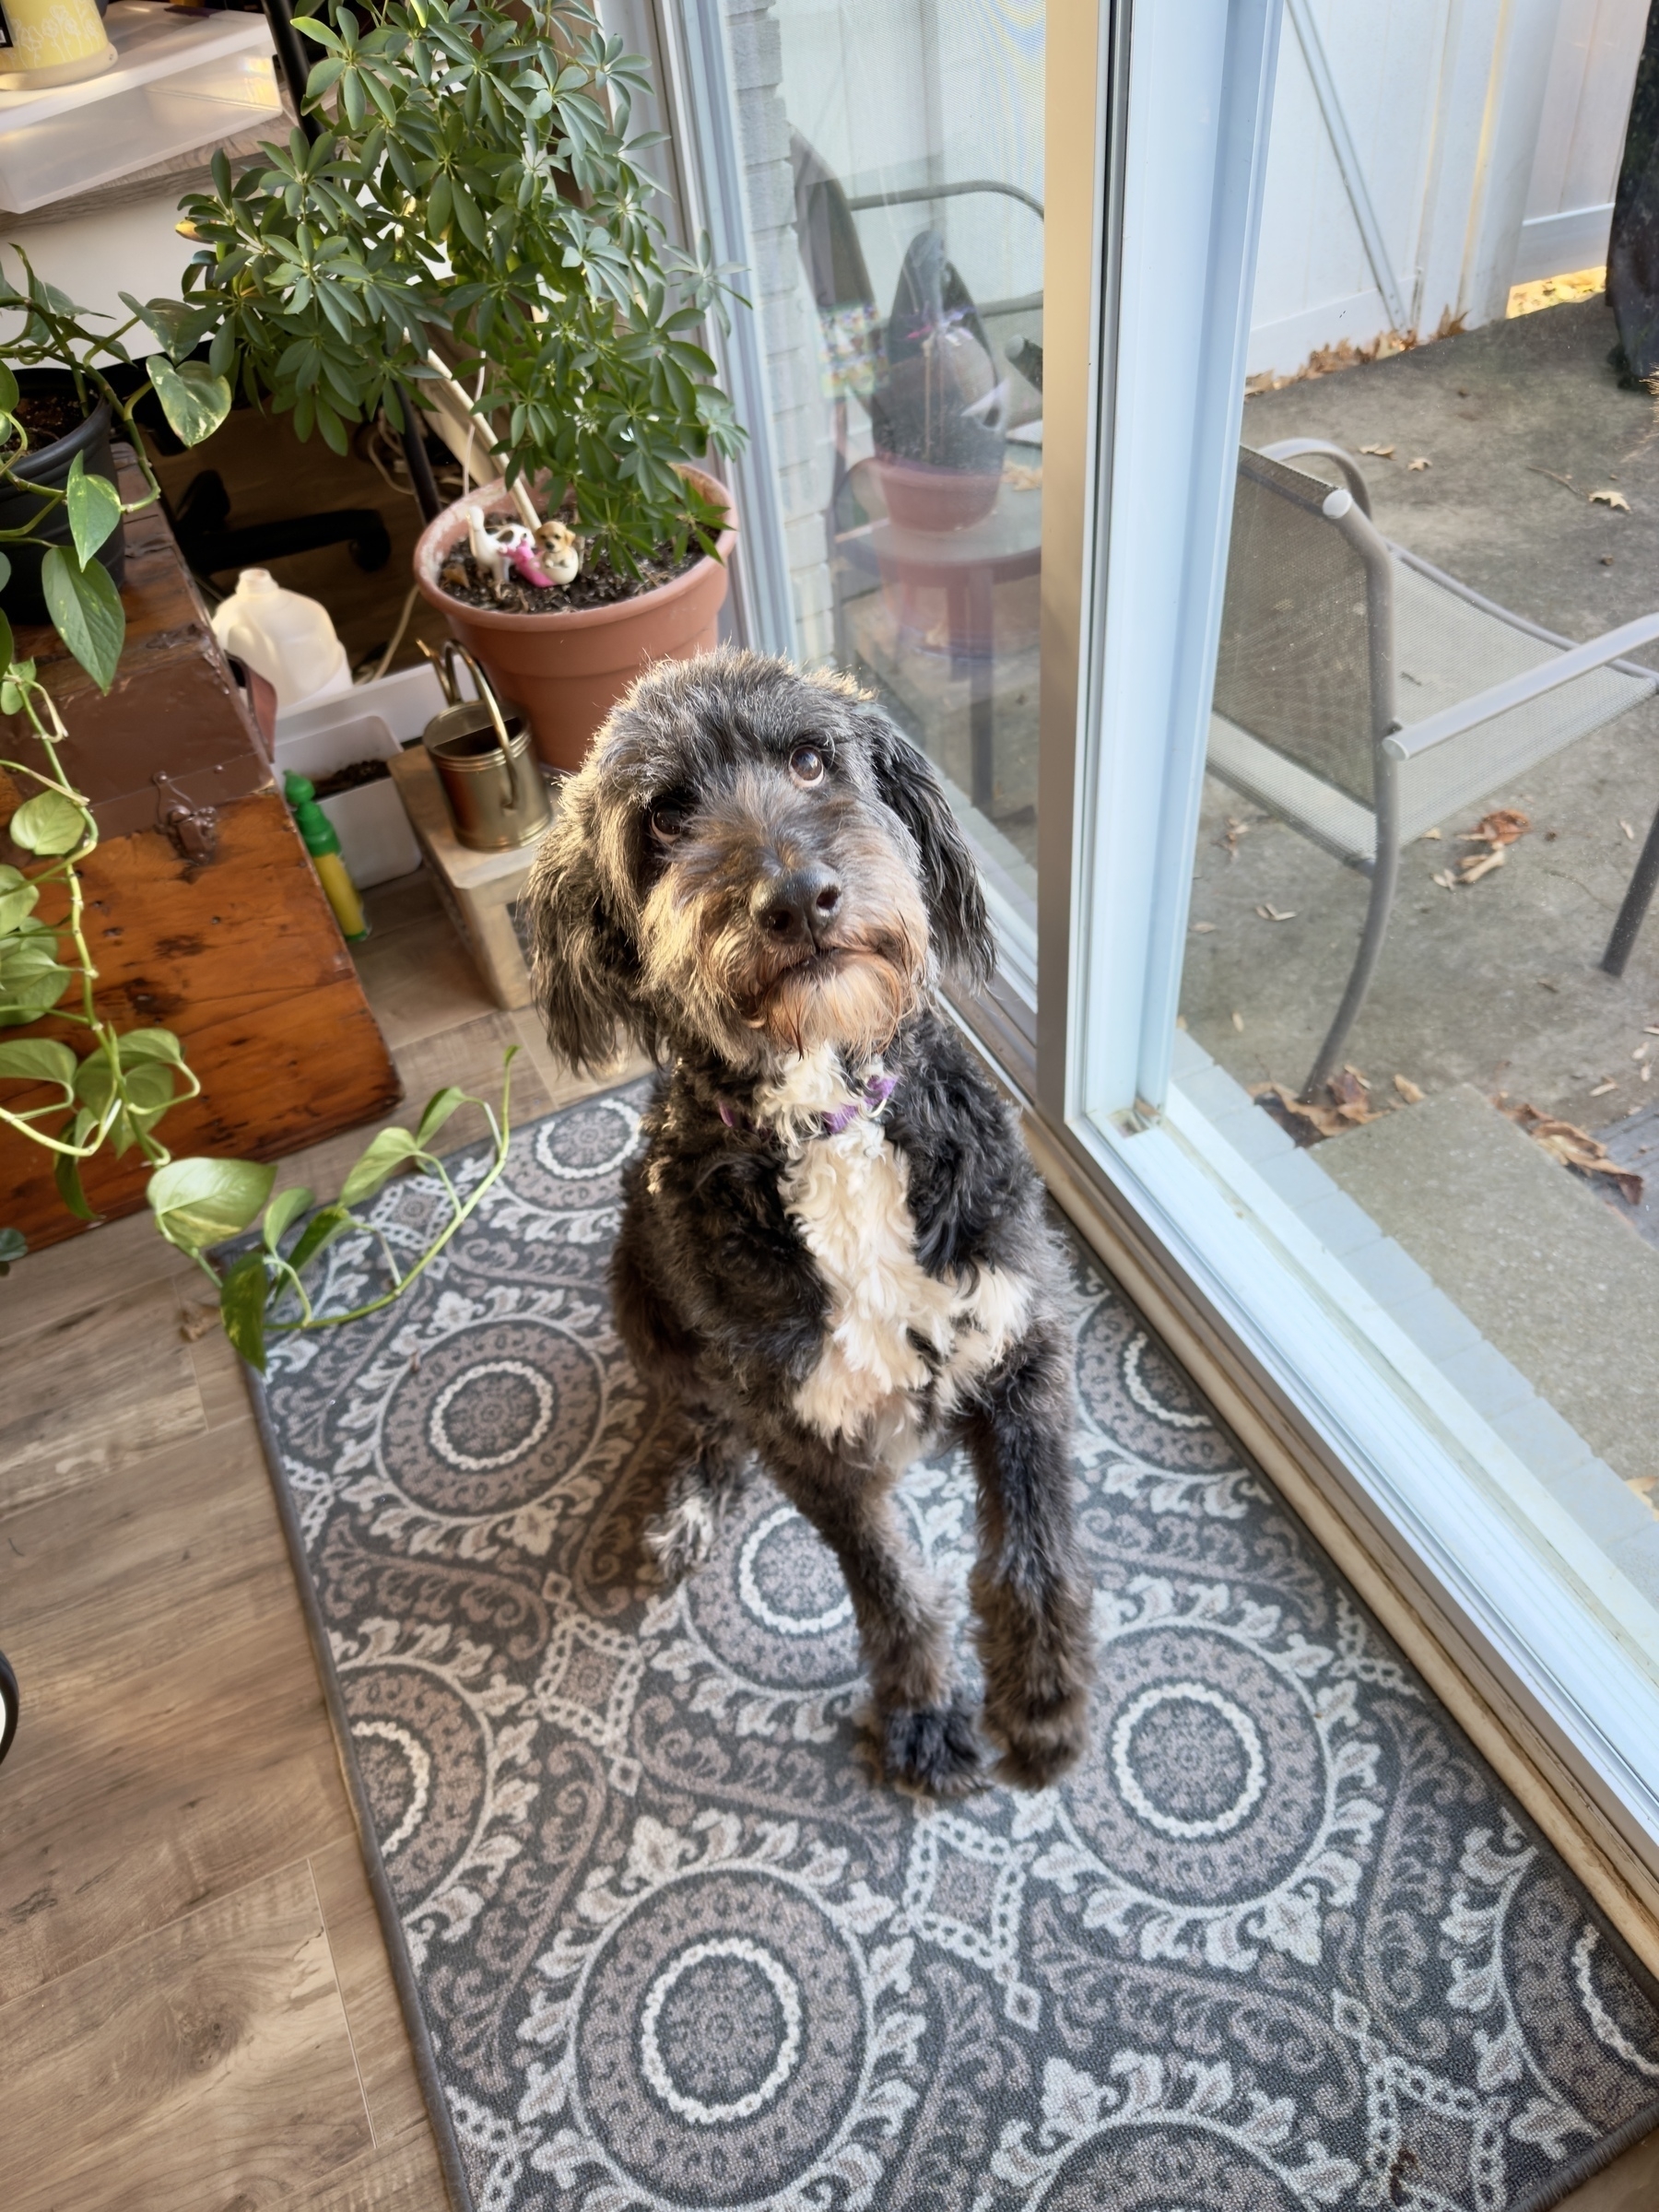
(18, 897)
(389, 1152)
(320, 1233)
(9, 390)
(35, 990)
(149, 1044)
(94, 510)
(438, 1109)
(39, 1060)
(284, 1210)
(65, 1173)
(201, 1201)
(86, 607)
(7, 646)
(177, 325)
(243, 1298)
(14, 1246)
(47, 823)
(194, 400)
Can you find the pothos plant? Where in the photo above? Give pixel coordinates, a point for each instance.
(115, 1092)
(474, 214)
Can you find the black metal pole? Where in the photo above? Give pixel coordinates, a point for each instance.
(419, 461)
(1637, 900)
(290, 60)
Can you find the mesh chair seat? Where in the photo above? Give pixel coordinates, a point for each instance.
(1447, 648)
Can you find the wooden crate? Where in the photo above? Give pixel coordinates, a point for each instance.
(234, 947)
(479, 890)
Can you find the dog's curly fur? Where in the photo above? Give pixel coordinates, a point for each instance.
(832, 1253)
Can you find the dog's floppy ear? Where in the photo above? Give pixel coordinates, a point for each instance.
(584, 969)
(956, 904)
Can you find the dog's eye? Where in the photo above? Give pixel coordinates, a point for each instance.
(806, 764)
(668, 817)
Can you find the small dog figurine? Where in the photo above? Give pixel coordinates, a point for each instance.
(832, 1254)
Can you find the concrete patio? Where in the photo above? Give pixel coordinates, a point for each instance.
(1489, 993)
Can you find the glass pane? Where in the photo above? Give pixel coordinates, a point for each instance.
(1420, 993)
(892, 154)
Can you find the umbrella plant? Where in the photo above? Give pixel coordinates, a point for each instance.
(472, 216)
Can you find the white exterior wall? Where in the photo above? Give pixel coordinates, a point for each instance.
(1488, 135)
(1581, 136)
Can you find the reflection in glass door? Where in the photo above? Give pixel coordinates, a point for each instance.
(1432, 764)
(891, 156)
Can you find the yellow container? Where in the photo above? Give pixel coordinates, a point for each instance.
(52, 42)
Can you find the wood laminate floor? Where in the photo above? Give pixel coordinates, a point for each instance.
(197, 2011)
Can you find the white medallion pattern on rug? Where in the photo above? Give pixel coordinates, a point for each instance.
(1281, 1944)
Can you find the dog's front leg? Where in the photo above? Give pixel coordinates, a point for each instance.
(1029, 1594)
(926, 1734)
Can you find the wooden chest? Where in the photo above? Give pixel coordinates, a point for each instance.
(203, 911)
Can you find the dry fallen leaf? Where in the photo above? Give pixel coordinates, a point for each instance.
(1383, 453)
(194, 1321)
(1574, 1148)
(1445, 878)
(1238, 1021)
(1649, 1031)
(1431, 837)
(1502, 827)
(1476, 866)
(1601, 1089)
(1629, 831)
(1235, 830)
(1202, 929)
(1341, 1106)
(1271, 913)
(1610, 498)
(1420, 462)
(1408, 1090)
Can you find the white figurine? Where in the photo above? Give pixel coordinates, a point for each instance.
(490, 555)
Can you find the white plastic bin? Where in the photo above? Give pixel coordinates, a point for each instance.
(179, 82)
(376, 841)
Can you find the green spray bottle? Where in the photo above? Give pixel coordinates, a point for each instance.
(324, 845)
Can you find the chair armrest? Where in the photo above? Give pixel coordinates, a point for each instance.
(859, 202)
(1287, 449)
(1516, 690)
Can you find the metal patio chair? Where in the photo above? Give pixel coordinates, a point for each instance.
(1363, 697)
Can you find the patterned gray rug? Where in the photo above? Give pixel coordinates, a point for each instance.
(1282, 1943)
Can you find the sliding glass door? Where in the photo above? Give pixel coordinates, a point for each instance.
(884, 186)
(1141, 414)
(1361, 1016)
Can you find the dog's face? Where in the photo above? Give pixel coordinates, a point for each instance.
(753, 862)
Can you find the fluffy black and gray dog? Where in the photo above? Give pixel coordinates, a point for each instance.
(832, 1254)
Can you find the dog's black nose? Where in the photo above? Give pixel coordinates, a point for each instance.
(798, 904)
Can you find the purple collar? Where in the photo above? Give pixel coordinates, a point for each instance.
(878, 1090)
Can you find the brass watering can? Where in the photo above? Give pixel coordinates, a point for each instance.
(482, 750)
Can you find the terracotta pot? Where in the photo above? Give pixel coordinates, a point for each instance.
(922, 497)
(567, 670)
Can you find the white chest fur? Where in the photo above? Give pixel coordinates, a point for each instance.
(848, 1194)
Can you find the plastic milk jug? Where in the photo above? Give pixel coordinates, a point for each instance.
(284, 637)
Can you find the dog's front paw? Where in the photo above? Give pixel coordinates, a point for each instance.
(932, 1747)
(678, 1541)
(1037, 1745)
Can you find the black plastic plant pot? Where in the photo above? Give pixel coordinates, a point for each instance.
(50, 464)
